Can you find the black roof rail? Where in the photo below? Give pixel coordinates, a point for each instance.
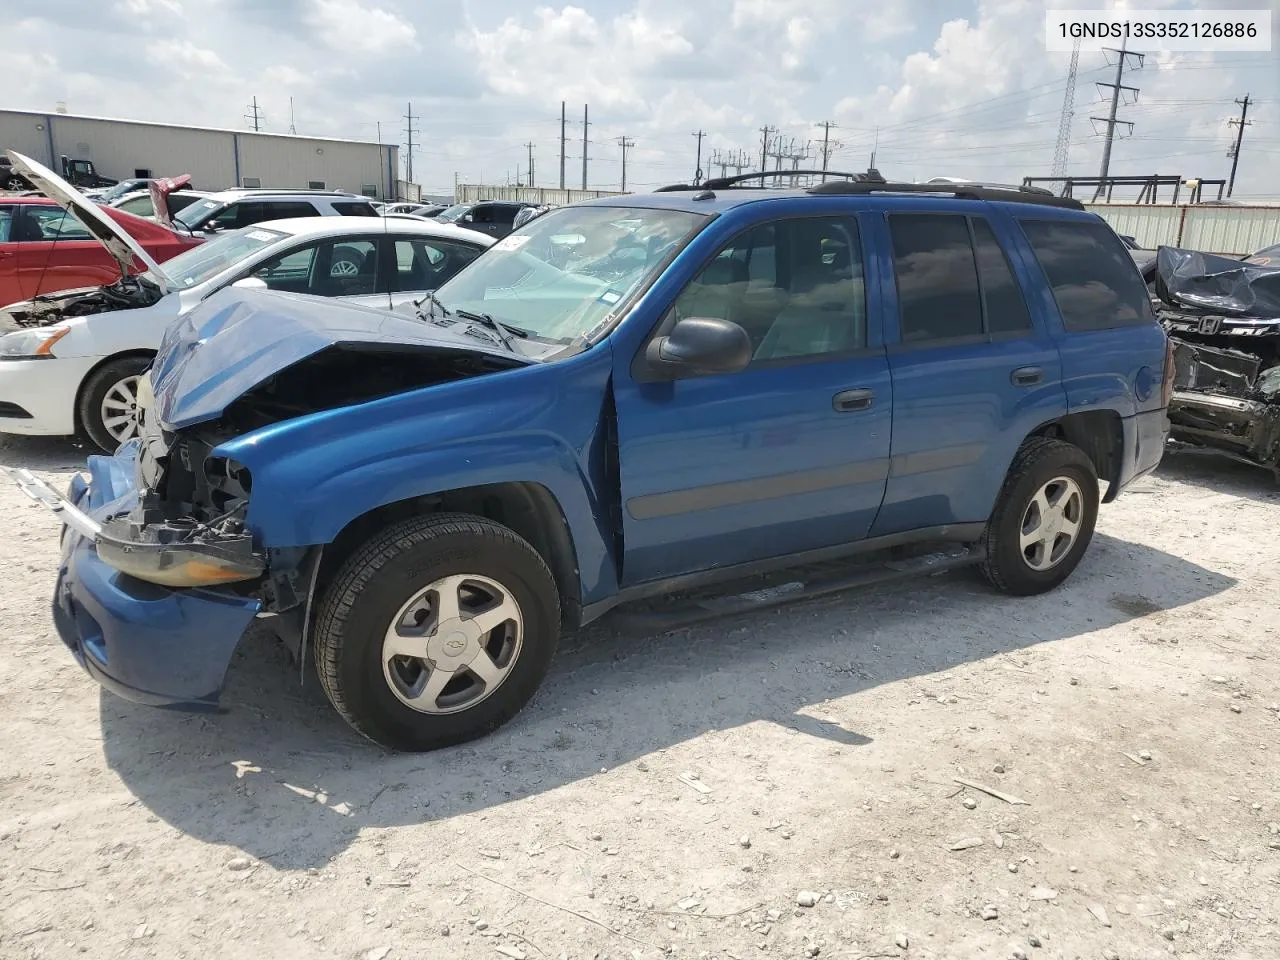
(957, 190)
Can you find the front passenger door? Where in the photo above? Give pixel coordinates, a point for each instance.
(788, 455)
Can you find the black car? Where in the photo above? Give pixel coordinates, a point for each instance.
(494, 217)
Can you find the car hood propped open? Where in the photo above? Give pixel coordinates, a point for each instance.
(122, 247)
(240, 338)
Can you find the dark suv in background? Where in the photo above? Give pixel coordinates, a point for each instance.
(494, 217)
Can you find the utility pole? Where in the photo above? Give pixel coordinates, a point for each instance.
(826, 126)
(254, 115)
(697, 166)
(410, 143)
(1068, 114)
(292, 129)
(561, 144)
(875, 148)
(626, 144)
(584, 146)
(530, 146)
(764, 145)
(1234, 152)
(1111, 120)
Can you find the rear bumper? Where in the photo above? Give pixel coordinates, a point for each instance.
(146, 643)
(1145, 438)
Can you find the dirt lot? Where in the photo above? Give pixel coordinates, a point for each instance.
(1134, 711)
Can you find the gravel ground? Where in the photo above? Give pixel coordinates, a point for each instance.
(782, 785)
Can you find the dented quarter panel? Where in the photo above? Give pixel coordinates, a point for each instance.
(539, 424)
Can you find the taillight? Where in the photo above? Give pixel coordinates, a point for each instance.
(1166, 387)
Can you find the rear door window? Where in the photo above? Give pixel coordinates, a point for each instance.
(426, 264)
(1006, 310)
(284, 210)
(354, 208)
(1093, 277)
(6, 224)
(938, 293)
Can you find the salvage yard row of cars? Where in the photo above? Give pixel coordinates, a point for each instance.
(622, 400)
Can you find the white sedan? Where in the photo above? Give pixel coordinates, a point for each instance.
(73, 361)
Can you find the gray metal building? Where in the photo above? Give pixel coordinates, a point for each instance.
(216, 159)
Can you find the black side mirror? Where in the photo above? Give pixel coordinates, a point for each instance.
(699, 346)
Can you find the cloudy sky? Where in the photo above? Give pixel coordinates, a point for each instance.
(944, 87)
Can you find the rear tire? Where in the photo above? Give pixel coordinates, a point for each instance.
(1044, 518)
(475, 611)
(107, 408)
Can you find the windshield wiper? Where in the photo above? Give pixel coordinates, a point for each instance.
(504, 332)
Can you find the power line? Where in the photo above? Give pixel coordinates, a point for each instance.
(626, 145)
(1234, 152)
(254, 115)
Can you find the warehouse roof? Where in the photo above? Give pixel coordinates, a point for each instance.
(182, 126)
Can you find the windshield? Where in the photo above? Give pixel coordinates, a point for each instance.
(563, 275)
(120, 189)
(201, 263)
(450, 214)
(194, 216)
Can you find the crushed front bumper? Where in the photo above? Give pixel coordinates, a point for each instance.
(144, 642)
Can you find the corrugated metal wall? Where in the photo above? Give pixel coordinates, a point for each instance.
(1231, 231)
(339, 165)
(473, 193)
(118, 149)
(214, 158)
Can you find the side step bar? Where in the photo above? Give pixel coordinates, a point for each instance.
(681, 614)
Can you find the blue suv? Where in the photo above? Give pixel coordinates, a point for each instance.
(624, 399)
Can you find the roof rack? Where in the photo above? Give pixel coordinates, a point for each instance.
(870, 181)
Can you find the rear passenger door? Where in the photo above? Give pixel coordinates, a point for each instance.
(785, 456)
(974, 367)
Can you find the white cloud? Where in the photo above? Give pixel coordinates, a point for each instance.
(351, 27)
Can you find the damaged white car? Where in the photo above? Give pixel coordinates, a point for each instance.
(70, 361)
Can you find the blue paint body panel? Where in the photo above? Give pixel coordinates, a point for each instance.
(651, 479)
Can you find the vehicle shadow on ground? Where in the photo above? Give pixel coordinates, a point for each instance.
(1220, 474)
(282, 778)
(44, 453)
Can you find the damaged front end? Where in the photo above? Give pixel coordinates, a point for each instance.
(1223, 321)
(127, 293)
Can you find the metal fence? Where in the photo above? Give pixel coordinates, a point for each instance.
(1230, 231)
(474, 192)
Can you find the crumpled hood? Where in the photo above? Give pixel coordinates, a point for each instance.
(239, 338)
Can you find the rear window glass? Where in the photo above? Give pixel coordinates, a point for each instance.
(1093, 277)
(356, 208)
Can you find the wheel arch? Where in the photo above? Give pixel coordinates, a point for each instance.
(527, 508)
(139, 353)
(1100, 434)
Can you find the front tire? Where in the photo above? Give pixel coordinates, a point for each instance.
(1043, 519)
(108, 407)
(436, 631)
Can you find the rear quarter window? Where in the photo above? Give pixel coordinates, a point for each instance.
(354, 208)
(1092, 275)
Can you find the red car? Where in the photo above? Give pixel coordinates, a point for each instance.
(43, 249)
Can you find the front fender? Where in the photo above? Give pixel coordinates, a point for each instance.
(315, 475)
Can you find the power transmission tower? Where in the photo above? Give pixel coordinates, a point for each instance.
(764, 145)
(1234, 152)
(626, 145)
(1111, 120)
(584, 146)
(1068, 114)
(530, 146)
(561, 144)
(409, 144)
(254, 115)
(826, 126)
(697, 166)
(292, 129)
